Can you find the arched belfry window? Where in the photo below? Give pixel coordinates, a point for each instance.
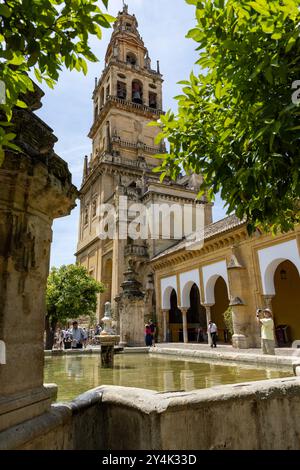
(131, 58)
(137, 92)
(121, 90)
(152, 100)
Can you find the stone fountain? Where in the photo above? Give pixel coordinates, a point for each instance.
(108, 338)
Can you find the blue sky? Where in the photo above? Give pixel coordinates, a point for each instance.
(68, 109)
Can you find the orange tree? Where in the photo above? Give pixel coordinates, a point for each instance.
(42, 36)
(71, 293)
(238, 122)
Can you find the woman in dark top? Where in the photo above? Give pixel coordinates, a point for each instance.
(148, 335)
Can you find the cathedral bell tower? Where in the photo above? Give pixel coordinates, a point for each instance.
(126, 98)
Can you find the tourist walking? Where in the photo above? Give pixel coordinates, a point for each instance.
(213, 331)
(148, 335)
(264, 318)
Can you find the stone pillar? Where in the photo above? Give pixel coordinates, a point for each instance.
(208, 318)
(132, 321)
(241, 324)
(184, 324)
(160, 325)
(35, 188)
(165, 314)
(131, 310)
(242, 319)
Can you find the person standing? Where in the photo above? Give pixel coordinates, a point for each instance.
(267, 330)
(153, 331)
(148, 335)
(213, 330)
(77, 335)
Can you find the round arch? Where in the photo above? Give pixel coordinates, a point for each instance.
(210, 288)
(211, 273)
(271, 257)
(131, 58)
(286, 302)
(221, 304)
(137, 91)
(185, 294)
(269, 274)
(166, 298)
(196, 313)
(167, 284)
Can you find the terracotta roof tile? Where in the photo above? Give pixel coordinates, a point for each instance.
(221, 226)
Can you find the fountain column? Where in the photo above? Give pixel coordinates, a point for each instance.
(108, 339)
(132, 310)
(35, 188)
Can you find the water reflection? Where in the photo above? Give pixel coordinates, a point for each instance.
(168, 380)
(187, 380)
(76, 374)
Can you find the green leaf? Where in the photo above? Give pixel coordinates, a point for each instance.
(225, 134)
(218, 90)
(262, 9)
(38, 75)
(195, 34)
(291, 43)
(17, 60)
(21, 104)
(5, 11)
(277, 35)
(269, 75)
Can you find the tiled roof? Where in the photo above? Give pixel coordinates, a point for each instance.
(210, 231)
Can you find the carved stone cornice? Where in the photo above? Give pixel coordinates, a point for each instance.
(219, 241)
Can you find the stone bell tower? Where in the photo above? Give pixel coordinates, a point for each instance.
(126, 98)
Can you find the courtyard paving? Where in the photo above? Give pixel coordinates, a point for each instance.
(283, 358)
(227, 348)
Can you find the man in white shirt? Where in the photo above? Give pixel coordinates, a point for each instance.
(267, 331)
(213, 331)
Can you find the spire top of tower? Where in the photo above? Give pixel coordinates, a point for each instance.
(125, 7)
